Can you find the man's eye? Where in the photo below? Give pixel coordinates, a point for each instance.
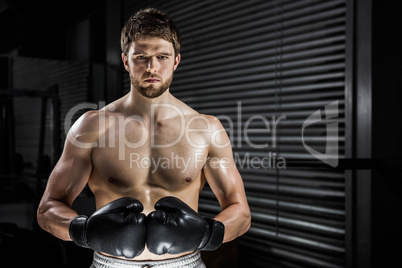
(141, 58)
(162, 57)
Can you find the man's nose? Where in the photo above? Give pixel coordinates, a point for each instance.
(152, 65)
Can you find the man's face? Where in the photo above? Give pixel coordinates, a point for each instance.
(151, 63)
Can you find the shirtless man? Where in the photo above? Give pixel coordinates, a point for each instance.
(147, 212)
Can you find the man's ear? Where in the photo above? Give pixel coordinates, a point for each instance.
(125, 61)
(177, 61)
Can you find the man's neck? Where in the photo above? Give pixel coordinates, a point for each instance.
(149, 107)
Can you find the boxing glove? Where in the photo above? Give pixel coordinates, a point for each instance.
(117, 228)
(176, 228)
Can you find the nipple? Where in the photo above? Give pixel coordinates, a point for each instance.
(188, 179)
(112, 180)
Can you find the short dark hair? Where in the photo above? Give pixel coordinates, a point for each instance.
(149, 23)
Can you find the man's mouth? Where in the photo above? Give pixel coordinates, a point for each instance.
(151, 80)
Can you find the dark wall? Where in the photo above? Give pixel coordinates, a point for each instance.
(54, 29)
(387, 133)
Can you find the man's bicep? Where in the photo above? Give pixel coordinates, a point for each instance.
(70, 175)
(221, 172)
(225, 182)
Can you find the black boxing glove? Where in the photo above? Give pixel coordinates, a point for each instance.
(117, 228)
(176, 228)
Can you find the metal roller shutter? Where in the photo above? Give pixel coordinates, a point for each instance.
(249, 63)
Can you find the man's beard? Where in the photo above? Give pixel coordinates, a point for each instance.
(151, 91)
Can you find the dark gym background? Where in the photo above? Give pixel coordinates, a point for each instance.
(272, 58)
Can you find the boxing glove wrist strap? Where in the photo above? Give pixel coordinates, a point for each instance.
(78, 231)
(217, 231)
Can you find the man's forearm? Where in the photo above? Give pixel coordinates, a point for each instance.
(55, 217)
(236, 219)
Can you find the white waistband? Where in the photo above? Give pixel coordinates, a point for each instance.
(192, 260)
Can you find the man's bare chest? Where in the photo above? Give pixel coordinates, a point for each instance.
(166, 159)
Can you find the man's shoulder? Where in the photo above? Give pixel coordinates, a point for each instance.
(94, 120)
(192, 114)
(211, 120)
(208, 125)
(87, 125)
